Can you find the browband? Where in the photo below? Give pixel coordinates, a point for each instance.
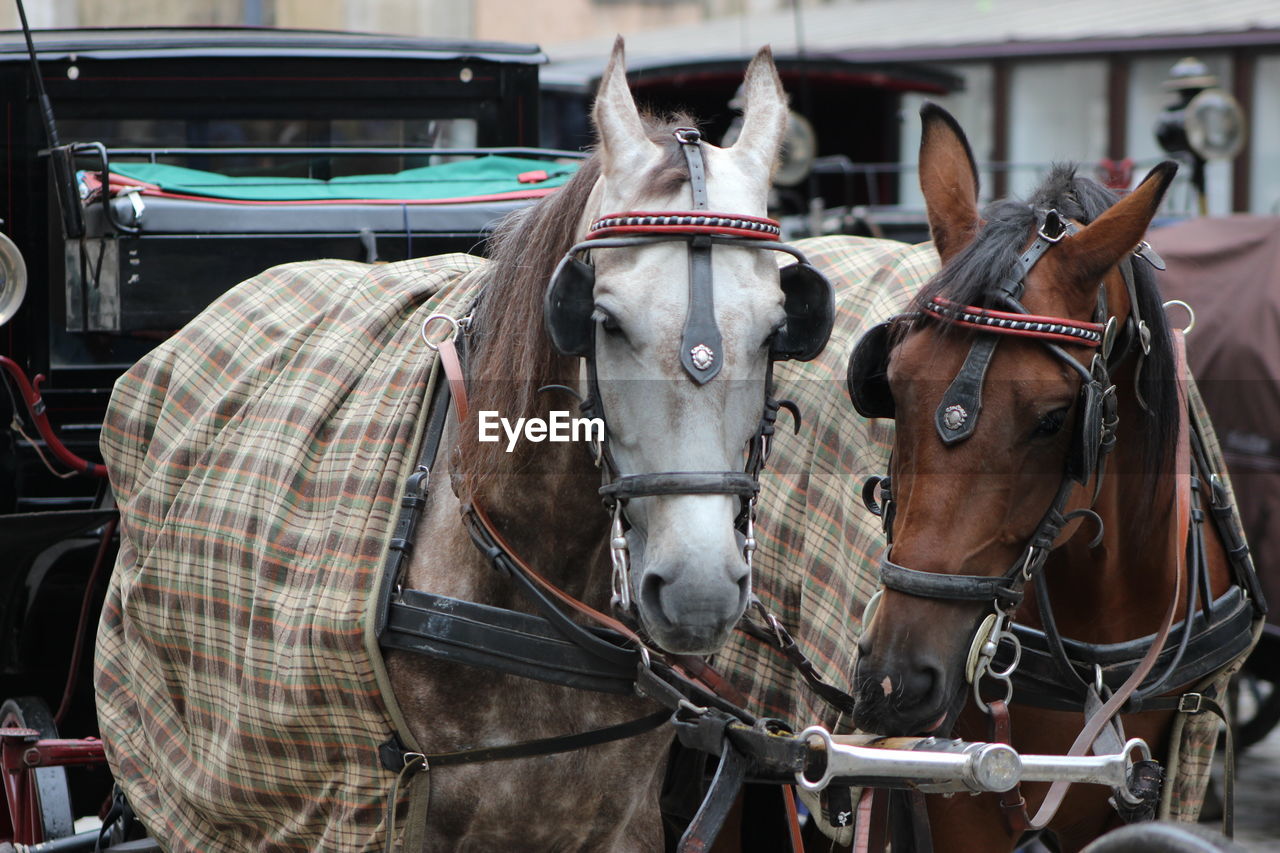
(1062, 329)
(685, 222)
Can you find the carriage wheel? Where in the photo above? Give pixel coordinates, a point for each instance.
(1160, 837)
(1255, 708)
(31, 712)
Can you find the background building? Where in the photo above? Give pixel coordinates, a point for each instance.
(1043, 80)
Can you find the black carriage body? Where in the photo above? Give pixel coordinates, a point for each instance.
(279, 99)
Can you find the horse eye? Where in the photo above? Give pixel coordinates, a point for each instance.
(606, 320)
(1051, 424)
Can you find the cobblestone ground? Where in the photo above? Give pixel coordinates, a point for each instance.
(1258, 796)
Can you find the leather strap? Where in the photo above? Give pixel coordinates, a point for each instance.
(453, 372)
(392, 756)
(681, 483)
(957, 414)
(1182, 472)
(1222, 635)
(507, 641)
(951, 587)
(777, 637)
(701, 347)
(722, 794)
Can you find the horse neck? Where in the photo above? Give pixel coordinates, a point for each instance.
(1120, 590)
(543, 498)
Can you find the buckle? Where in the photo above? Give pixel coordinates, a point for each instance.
(1053, 222)
(1190, 703)
(687, 135)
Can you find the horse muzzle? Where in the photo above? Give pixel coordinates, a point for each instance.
(689, 599)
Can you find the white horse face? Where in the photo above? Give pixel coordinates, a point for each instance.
(689, 578)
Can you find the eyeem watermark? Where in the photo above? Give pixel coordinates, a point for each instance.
(558, 427)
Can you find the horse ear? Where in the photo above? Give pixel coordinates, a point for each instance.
(949, 181)
(1104, 242)
(622, 134)
(764, 121)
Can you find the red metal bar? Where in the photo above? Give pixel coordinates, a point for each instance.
(21, 753)
(35, 405)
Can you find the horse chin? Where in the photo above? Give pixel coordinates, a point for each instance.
(701, 632)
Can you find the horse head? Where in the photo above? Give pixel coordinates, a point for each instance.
(998, 381)
(677, 314)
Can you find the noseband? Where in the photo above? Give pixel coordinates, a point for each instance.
(810, 307)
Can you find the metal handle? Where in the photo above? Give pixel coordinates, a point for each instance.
(941, 765)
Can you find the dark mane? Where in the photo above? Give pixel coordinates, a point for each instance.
(992, 256)
(511, 355)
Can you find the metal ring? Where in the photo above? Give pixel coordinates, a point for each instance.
(1138, 744)
(1008, 671)
(1190, 313)
(827, 745)
(457, 327)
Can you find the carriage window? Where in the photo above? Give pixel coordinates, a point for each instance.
(266, 134)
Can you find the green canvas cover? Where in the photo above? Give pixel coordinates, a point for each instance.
(493, 175)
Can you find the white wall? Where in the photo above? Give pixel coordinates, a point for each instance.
(1057, 113)
(971, 107)
(1264, 189)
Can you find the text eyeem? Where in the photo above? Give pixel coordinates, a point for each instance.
(560, 426)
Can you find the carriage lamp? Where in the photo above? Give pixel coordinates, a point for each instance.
(1203, 123)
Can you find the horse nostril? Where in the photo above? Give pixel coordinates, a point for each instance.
(921, 684)
(651, 584)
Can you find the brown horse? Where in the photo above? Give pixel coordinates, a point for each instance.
(1024, 487)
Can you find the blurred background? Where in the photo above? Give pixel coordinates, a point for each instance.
(342, 109)
(1031, 81)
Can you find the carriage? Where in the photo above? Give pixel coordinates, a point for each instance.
(813, 758)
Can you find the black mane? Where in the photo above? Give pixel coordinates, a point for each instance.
(971, 277)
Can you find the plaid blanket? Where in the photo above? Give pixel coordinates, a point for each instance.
(242, 705)
(818, 562)
(266, 443)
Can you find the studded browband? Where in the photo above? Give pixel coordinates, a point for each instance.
(685, 222)
(1048, 328)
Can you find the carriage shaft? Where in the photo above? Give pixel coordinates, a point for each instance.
(943, 765)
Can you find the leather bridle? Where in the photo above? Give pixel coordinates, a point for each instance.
(568, 315)
(957, 416)
(997, 647)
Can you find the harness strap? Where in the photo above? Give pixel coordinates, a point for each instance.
(1199, 703)
(681, 483)
(702, 830)
(952, 587)
(452, 365)
(541, 746)
(779, 638)
(1085, 739)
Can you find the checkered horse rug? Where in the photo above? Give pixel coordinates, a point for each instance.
(258, 458)
(818, 562)
(267, 443)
